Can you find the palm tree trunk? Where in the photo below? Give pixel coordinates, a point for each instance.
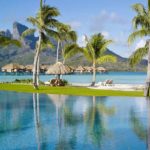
(62, 52)
(35, 65)
(57, 55)
(94, 74)
(38, 70)
(147, 87)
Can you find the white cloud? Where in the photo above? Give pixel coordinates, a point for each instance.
(99, 22)
(82, 41)
(140, 44)
(105, 34)
(75, 24)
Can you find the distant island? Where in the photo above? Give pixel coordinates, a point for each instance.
(25, 54)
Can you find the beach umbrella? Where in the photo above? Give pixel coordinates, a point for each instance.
(58, 69)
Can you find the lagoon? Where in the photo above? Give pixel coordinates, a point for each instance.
(117, 77)
(33, 121)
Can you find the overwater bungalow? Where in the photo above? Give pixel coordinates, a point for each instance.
(101, 69)
(43, 68)
(88, 69)
(80, 69)
(13, 67)
(29, 68)
(72, 69)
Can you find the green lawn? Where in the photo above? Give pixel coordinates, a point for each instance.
(83, 91)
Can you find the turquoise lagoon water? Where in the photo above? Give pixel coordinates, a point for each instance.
(117, 77)
(58, 122)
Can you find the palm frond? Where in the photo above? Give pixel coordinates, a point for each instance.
(46, 43)
(141, 20)
(87, 54)
(5, 41)
(28, 32)
(138, 34)
(49, 12)
(52, 23)
(34, 22)
(89, 50)
(72, 36)
(139, 8)
(51, 33)
(105, 45)
(106, 58)
(71, 50)
(138, 55)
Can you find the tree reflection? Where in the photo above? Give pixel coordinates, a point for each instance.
(94, 118)
(138, 127)
(39, 129)
(65, 119)
(69, 121)
(12, 116)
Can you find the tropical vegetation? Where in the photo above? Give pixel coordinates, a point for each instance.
(66, 36)
(141, 25)
(94, 52)
(45, 24)
(6, 41)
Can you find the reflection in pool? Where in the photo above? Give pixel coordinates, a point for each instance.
(59, 122)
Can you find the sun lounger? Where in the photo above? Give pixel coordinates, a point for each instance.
(110, 82)
(106, 83)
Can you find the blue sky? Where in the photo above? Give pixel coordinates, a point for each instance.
(110, 17)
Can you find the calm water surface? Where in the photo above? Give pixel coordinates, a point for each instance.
(117, 77)
(57, 122)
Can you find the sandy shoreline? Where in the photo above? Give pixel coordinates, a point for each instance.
(121, 87)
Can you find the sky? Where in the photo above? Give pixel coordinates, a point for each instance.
(112, 18)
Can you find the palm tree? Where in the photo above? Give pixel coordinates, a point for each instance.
(141, 25)
(95, 52)
(66, 36)
(45, 24)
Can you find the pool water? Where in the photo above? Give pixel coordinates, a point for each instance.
(60, 122)
(117, 77)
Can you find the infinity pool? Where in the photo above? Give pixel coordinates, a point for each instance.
(58, 122)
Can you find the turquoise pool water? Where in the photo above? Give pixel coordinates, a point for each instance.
(58, 122)
(117, 77)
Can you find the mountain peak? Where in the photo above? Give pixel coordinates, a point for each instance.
(18, 29)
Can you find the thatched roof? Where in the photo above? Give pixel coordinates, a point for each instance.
(58, 68)
(80, 68)
(87, 68)
(13, 66)
(29, 67)
(72, 68)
